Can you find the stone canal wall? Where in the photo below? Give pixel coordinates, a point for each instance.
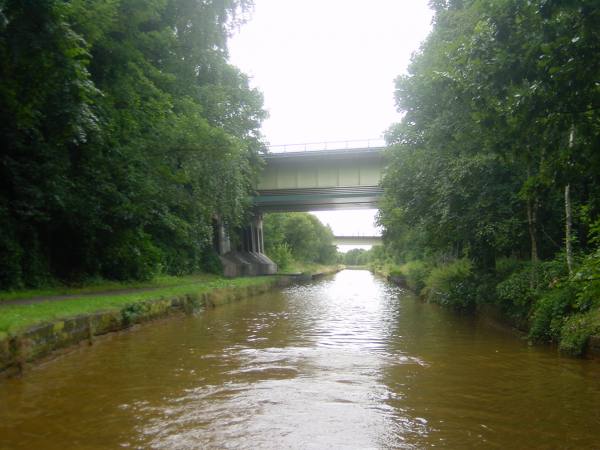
(42, 340)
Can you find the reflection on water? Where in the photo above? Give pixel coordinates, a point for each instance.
(349, 362)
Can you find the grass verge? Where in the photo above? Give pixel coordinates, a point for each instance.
(313, 268)
(105, 286)
(14, 318)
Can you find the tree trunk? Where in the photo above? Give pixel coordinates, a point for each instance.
(569, 214)
(532, 222)
(532, 204)
(568, 226)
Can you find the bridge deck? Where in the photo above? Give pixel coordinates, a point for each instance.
(318, 199)
(321, 180)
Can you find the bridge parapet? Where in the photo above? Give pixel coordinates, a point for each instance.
(325, 168)
(375, 143)
(357, 240)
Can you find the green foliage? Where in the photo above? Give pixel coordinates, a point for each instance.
(568, 308)
(98, 285)
(415, 273)
(11, 271)
(587, 278)
(356, 257)
(125, 131)
(281, 254)
(501, 120)
(449, 285)
(516, 295)
(132, 256)
(519, 293)
(132, 312)
(552, 305)
(486, 130)
(15, 318)
(211, 263)
(550, 312)
(305, 237)
(506, 266)
(379, 257)
(577, 330)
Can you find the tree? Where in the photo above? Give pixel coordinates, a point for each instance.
(497, 147)
(127, 132)
(306, 237)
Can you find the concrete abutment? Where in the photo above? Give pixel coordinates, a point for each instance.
(249, 258)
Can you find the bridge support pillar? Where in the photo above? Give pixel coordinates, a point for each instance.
(249, 258)
(252, 236)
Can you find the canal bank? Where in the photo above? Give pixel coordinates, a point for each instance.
(43, 334)
(493, 314)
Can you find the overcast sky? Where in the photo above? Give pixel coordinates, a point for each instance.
(327, 68)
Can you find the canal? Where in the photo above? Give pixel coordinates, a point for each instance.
(345, 362)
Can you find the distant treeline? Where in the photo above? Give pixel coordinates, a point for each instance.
(124, 133)
(356, 257)
(298, 238)
(492, 195)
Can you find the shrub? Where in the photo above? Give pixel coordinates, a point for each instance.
(451, 285)
(587, 278)
(516, 295)
(556, 307)
(211, 262)
(281, 254)
(576, 331)
(415, 273)
(11, 274)
(389, 269)
(507, 266)
(519, 294)
(131, 313)
(550, 312)
(132, 255)
(178, 260)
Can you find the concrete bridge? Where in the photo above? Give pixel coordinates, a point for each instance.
(321, 180)
(307, 177)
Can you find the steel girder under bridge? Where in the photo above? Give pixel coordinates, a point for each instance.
(321, 180)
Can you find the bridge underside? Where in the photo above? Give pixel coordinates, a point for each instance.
(321, 180)
(318, 199)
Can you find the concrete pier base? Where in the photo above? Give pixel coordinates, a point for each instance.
(243, 263)
(248, 257)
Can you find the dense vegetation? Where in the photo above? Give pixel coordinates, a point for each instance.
(298, 237)
(124, 133)
(356, 257)
(492, 195)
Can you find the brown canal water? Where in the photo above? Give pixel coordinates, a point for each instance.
(346, 362)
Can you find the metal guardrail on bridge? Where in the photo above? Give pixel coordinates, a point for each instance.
(327, 145)
(358, 240)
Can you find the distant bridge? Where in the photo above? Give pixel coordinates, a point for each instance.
(312, 177)
(305, 177)
(357, 240)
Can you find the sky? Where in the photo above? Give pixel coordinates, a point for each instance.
(326, 69)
